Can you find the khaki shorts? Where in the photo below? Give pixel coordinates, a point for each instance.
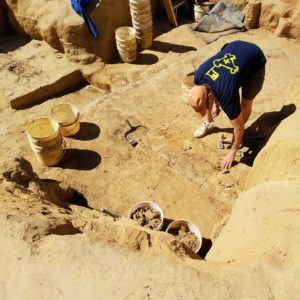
(253, 84)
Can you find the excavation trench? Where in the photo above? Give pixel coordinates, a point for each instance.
(164, 164)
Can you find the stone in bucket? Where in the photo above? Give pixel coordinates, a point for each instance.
(187, 233)
(147, 214)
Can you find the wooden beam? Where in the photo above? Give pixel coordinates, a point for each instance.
(170, 12)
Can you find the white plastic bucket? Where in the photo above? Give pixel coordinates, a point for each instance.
(123, 47)
(46, 141)
(127, 56)
(67, 116)
(142, 21)
(186, 85)
(145, 43)
(125, 34)
(140, 4)
(191, 226)
(145, 38)
(141, 26)
(198, 13)
(126, 43)
(144, 15)
(151, 205)
(135, 11)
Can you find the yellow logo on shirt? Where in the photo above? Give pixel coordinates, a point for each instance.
(227, 61)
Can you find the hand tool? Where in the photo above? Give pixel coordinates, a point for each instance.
(109, 213)
(132, 129)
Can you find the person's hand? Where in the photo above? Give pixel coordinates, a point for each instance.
(227, 160)
(215, 111)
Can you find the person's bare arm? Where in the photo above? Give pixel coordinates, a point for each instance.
(238, 131)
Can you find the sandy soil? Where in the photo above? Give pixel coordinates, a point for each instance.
(168, 166)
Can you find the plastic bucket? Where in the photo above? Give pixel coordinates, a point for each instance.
(140, 10)
(123, 47)
(126, 43)
(145, 42)
(127, 56)
(126, 35)
(126, 53)
(198, 13)
(187, 84)
(141, 16)
(142, 23)
(67, 116)
(191, 226)
(140, 4)
(146, 33)
(43, 131)
(46, 141)
(145, 38)
(139, 26)
(153, 205)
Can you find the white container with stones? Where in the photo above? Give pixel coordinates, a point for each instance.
(147, 204)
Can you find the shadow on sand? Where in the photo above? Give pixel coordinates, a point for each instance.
(88, 131)
(12, 41)
(80, 159)
(167, 47)
(259, 132)
(264, 127)
(67, 195)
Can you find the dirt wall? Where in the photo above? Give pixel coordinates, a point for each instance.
(281, 17)
(60, 26)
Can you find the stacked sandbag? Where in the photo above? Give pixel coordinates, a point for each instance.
(141, 15)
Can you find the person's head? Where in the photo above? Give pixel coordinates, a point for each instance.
(198, 99)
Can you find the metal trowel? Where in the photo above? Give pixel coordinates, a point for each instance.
(128, 137)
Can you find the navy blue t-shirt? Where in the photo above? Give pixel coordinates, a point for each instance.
(227, 70)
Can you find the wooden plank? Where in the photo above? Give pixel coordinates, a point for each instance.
(178, 3)
(170, 12)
